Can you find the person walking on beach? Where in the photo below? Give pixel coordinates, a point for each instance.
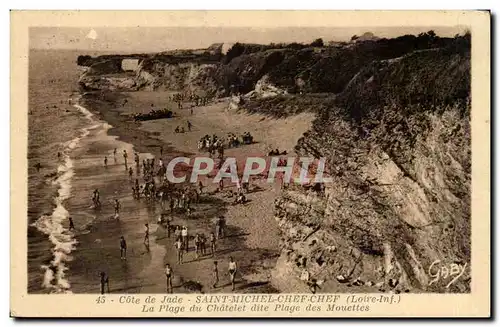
(125, 157)
(106, 162)
(232, 271)
(167, 227)
(189, 125)
(130, 173)
(95, 198)
(213, 241)
(71, 224)
(172, 204)
(179, 247)
(146, 233)
(197, 245)
(137, 161)
(117, 208)
(169, 274)
(177, 232)
(215, 270)
(104, 282)
(123, 248)
(203, 244)
(161, 150)
(185, 240)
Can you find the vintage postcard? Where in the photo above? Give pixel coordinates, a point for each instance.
(250, 164)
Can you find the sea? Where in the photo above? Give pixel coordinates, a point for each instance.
(68, 142)
(57, 125)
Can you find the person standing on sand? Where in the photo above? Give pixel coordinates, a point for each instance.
(123, 248)
(179, 247)
(167, 227)
(197, 245)
(189, 125)
(215, 270)
(232, 271)
(213, 241)
(177, 232)
(106, 162)
(104, 282)
(125, 157)
(71, 224)
(161, 150)
(203, 244)
(130, 173)
(117, 208)
(95, 198)
(185, 240)
(169, 273)
(146, 233)
(137, 160)
(172, 203)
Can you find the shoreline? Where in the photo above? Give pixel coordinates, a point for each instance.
(148, 265)
(124, 129)
(253, 233)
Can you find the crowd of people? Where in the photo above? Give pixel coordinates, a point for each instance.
(150, 185)
(174, 199)
(195, 99)
(214, 143)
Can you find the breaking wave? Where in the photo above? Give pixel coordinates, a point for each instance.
(52, 225)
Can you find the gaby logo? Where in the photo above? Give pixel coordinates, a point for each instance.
(302, 170)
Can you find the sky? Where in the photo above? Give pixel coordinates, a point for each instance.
(154, 39)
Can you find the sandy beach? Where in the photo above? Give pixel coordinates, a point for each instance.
(252, 233)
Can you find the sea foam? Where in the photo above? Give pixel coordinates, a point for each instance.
(52, 225)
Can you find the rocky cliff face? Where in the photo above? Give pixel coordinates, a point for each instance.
(397, 143)
(156, 74)
(294, 68)
(393, 122)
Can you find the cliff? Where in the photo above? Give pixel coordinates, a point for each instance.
(393, 122)
(397, 143)
(294, 68)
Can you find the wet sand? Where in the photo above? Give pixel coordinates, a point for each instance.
(252, 233)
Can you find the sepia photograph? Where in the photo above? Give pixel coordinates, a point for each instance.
(220, 160)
